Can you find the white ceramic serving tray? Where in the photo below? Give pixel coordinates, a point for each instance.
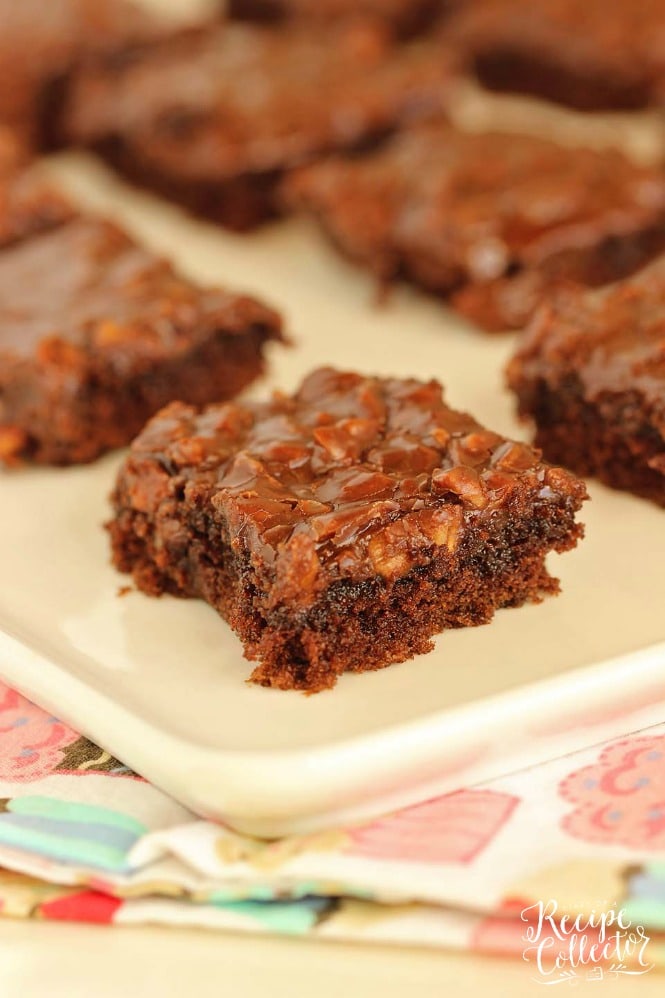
(161, 683)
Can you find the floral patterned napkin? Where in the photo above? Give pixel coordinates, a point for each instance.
(515, 866)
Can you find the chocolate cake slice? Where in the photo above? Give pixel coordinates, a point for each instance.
(342, 527)
(590, 374)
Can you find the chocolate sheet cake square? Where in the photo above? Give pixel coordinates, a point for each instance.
(42, 42)
(490, 221)
(96, 334)
(213, 119)
(590, 373)
(588, 54)
(339, 528)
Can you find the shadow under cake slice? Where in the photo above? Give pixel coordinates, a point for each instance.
(341, 528)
